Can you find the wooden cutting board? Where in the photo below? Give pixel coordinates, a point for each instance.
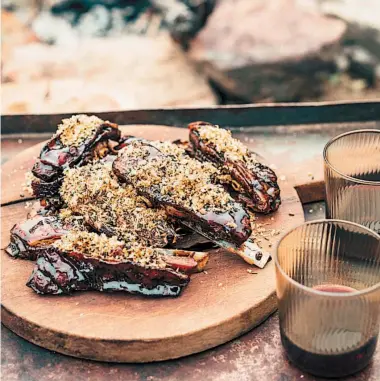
(217, 306)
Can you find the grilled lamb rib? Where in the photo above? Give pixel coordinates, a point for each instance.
(79, 140)
(184, 189)
(30, 237)
(86, 261)
(253, 183)
(249, 250)
(184, 238)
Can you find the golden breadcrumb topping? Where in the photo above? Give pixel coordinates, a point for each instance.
(94, 192)
(179, 153)
(76, 223)
(110, 249)
(75, 130)
(231, 148)
(169, 148)
(185, 181)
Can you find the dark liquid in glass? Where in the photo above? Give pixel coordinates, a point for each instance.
(322, 365)
(375, 176)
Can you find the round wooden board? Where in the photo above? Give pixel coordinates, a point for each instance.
(216, 307)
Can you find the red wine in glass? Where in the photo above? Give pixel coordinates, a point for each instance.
(330, 365)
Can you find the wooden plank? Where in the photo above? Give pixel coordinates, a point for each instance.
(216, 307)
(231, 116)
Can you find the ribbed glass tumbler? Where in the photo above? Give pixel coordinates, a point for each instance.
(352, 177)
(328, 289)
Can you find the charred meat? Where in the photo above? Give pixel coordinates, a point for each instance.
(252, 183)
(184, 189)
(30, 237)
(87, 261)
(78, 141)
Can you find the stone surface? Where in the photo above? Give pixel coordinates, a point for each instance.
(101, 75)
(95, 23)
(23, 99)
(117, 21)
(267, 50)
(184, 18)
(54, 30)
(38, 61)
(362, 63)
(13, 33)
(362, 36)
(243, 32)
(362, 12)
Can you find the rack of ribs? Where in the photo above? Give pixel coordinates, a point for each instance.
(250, 181)
(83, 261)
(31, 238)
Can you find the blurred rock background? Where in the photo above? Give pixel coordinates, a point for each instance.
(101, 55)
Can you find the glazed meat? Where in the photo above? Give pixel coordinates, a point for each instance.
(87, 261)
(185, 190)
(78, 141)
(251, 182)
(177, 150)
(44, 190)
(94, 193)
(30, 237)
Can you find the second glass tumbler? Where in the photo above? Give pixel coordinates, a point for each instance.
(352, 176)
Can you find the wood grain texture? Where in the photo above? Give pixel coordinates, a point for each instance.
(214, 308)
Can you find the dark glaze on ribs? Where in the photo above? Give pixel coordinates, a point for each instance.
(253, 183)
(228, 221)
(30, 237)
(62, 271)
(66, 151)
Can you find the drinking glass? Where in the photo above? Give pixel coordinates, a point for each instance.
(328, 290)
(352, 177)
